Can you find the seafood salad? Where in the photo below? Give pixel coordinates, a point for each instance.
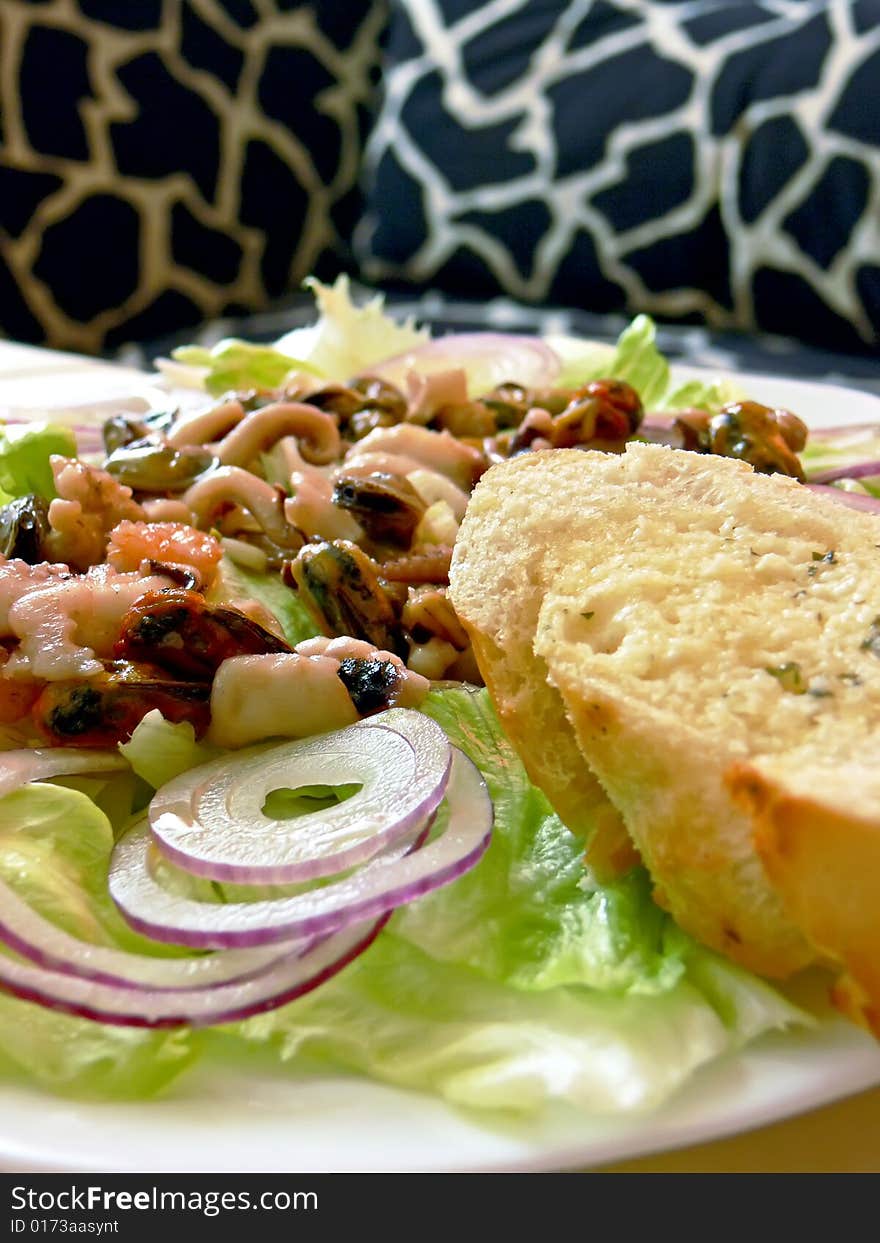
(250, 778)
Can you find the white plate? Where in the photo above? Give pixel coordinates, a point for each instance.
(231, 1114)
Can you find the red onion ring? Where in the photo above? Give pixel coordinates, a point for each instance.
(18, 768)
(284, 979)
(382, 884)
(853, 500)
(48, 946)
(858, 470)
(210, 821)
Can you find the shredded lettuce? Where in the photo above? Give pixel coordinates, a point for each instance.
(25, 450)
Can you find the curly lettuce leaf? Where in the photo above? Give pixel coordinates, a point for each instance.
(346, 340)
(637, 360)
(349, 339)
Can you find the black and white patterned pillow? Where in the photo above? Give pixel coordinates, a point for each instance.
(163, 161)
(704, 160)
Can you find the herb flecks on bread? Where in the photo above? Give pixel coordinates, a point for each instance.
(686, 630)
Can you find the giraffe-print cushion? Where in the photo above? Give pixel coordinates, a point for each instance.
(163, 161)
(708, 161)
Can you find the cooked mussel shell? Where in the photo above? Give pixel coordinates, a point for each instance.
(149, 467)
(126, 428)
(106, 710)
(372, 684)
(757, 434)
(339, 585)
(387, 506)
(24, 525)
(186, 637)
(365, 404)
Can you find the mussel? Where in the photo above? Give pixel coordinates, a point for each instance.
(155, 468)
(24, 526)
(103, 711)
(339, 585)
(188, 638)
(387, 506)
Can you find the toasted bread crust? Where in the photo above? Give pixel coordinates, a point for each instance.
(701, 627)
(823, 859)
(496, 586)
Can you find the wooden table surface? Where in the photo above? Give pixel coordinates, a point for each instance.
(844, 1136)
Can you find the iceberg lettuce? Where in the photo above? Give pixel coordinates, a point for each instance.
(55, 845)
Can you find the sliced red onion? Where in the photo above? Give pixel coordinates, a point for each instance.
(42, 942)
(860, 431)
(487, 358)
(858, 470)
(853, 500)
(210, 821)
(379, 886)
(286, 977)
(50, 947)
(17, 768)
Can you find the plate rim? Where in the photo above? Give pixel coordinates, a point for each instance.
(664, 1133)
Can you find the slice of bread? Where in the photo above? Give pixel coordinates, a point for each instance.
(713, 636)
(510, 550)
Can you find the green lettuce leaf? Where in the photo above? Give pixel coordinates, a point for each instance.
(522, 982)
(76, 1057)
(400, 1016)
(25, 450)
(637, 360)
(526, 914)
(234, 365)
(237, 582)
(158, 751)
(348, 338)
(55, 845)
